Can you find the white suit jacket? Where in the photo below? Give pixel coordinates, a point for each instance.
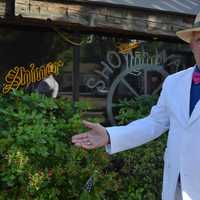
(182, 154)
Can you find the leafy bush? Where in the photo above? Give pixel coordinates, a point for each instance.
(140, 168)
(134, 109)
(38, 160)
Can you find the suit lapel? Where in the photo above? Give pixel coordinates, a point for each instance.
(182, 96)
(185, 88)
(196, 113)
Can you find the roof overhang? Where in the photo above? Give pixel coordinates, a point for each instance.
(95, 16)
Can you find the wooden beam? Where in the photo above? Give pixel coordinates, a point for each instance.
(76, 72)
(108, 19)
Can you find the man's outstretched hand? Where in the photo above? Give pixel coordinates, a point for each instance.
(92, 139)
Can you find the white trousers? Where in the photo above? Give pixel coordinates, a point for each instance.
(178, 192)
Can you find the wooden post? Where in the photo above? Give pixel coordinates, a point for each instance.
(76, 73)
(10, 8)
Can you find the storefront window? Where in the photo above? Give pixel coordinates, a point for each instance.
(102, 60)
(23, 47)
(105, 59)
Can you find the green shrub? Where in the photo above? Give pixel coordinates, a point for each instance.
(38, 160)
(141, 169)
(134, 109)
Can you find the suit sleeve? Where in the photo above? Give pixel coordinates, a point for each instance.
(143, 130)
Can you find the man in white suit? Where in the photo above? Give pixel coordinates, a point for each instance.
(177, 110)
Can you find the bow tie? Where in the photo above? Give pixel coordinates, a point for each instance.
(196, 78)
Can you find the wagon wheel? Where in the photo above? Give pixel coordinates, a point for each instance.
(133, 83)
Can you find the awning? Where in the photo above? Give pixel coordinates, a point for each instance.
(191, 7)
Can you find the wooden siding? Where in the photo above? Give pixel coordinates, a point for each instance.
(2, 8)
(106, 19)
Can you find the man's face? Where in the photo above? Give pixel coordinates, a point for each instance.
(195, 45)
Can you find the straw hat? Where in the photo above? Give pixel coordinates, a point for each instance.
(186, 34)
